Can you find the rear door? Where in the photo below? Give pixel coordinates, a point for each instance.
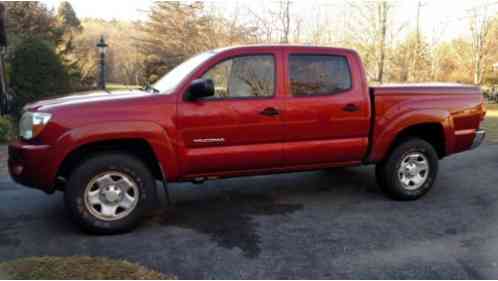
(240, 128)
(327, 111)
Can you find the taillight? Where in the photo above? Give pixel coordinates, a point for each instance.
(483, 111)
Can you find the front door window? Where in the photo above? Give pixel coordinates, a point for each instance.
(243, 77)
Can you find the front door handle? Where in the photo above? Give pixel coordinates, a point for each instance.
(350, 107)
(270, 111)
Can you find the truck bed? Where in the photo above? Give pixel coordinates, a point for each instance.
(427, 88)
(459, 107)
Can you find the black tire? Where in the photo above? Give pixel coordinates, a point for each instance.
(116, 162)
(387, 171)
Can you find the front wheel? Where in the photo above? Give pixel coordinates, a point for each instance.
(410, 170)
(108, 193)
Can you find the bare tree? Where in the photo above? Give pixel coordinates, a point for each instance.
(417, 50)
(276, 22)
(370, 34)
(285, 20)
(480, 26)
(382, 8)
(434, 48)
(265, 25)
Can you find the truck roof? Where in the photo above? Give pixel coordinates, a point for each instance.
(283, 46)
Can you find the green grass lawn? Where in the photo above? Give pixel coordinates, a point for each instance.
(118, 87)
(490, 124)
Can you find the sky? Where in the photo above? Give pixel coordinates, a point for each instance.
(444, 18)
(107, 9)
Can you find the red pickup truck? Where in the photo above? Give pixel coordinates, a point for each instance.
(239, 111)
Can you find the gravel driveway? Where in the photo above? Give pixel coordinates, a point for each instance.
(324, 224)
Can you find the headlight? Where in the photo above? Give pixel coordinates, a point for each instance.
(32, 123)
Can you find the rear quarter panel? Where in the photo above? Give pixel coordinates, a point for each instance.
(459, 110)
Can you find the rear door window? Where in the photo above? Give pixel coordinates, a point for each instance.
(312, 75)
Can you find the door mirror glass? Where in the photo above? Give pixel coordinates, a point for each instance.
(200, 88)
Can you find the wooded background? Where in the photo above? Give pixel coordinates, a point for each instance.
(142, 51)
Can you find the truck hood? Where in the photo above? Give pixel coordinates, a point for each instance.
(85, 97)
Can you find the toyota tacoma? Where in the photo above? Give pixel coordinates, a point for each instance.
(239, 111)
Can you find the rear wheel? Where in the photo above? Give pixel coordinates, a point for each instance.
(109, 193)
(410, 170)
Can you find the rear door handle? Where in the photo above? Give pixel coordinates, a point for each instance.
(350, 107)
(270, 111)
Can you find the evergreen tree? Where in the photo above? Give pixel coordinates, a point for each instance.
(37, 72)
(66, 16)
(69, 26)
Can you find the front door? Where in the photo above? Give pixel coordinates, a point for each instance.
(240, 127)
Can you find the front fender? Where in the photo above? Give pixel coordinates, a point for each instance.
(387, 130)
(151, 132)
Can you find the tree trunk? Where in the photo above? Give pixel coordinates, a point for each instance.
(382, 15)
(3, 49)
(477, 70)
(285, 21)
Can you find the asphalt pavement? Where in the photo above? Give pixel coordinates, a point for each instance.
(323, 224)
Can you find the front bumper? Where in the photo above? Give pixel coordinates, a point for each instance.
(29, 165)
(478, 139)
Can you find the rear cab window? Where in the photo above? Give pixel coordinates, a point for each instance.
(316, 75)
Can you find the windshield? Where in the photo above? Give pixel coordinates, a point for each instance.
(172, 79)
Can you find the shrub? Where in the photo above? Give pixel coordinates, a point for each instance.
(490, 80)
(36, 73)
(6, 129)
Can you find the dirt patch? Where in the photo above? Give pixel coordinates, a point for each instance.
(49, 268)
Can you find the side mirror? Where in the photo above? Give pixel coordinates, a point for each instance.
(200, 88)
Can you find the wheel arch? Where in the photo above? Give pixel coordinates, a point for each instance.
(145, 140)
(433, 127)
(138, 148)
(432, 133)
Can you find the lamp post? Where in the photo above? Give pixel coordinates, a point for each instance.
(102, 47)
